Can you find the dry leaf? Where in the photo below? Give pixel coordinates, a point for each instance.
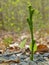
(42, 48)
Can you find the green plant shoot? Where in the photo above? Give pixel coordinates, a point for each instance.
(22, 44)
(34, 49)
(30, 23)
(7, 41)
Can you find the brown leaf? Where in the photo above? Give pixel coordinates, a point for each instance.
(42, 48)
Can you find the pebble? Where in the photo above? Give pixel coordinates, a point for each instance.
(23, 63)
(46, 55)
(13, 57)
(23, 57)
(39, 59)
(31, 62)
(13, 64)
(28, 63)
(41, 63)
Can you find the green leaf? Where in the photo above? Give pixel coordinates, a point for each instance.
(0, 9)
(12, 24)
(13, 17)
(35, 47)
(7, 41)
(22, 44)
(37, 12)
(15, 2)
(18, 29)
(12, 13)
(0, 25)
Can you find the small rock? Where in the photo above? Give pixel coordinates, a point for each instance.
(22, 57)
(13, 57)
(31, 62)
(46, 55)
(41, 59)
(46, 58)
(23, 63)
(41, 63)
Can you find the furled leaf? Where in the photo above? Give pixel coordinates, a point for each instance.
(35, 47)
(22, 44)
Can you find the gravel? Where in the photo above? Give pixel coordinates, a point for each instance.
(39, 59)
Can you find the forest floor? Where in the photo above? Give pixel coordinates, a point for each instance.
(11, 54)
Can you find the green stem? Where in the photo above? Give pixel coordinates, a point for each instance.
(32, 38)
(30, 22)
